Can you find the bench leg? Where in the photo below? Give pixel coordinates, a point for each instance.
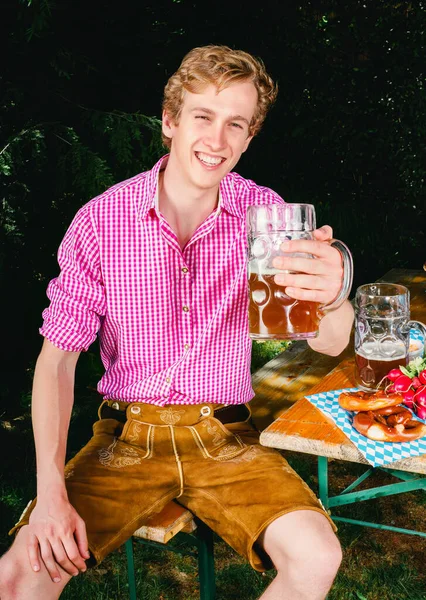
(131, 569)
(323, 480)
(206, 562)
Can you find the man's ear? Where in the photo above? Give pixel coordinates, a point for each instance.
(247, 142)
(167, 125)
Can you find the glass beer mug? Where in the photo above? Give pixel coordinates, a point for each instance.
(273, 314)
(382, 332)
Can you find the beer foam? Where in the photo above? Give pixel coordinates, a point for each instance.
(383, 351)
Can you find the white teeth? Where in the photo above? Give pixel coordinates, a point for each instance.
(209, 160)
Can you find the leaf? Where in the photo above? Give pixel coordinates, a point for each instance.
(414, 367)
(405, 371)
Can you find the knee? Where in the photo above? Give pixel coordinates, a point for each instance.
(324, 558)
(316, 558)
(9, 571)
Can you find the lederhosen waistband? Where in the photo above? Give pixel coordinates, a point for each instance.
(232, 413)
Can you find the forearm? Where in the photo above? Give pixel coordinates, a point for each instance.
(334, 331)
(53, 396)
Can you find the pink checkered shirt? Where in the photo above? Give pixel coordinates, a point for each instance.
(172, 323)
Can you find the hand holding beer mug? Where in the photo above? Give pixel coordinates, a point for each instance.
(382, 332)
(273, 313)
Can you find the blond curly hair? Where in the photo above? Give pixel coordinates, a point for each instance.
(220, 66)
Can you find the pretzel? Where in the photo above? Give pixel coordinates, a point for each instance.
(357, 401)
(389, 424)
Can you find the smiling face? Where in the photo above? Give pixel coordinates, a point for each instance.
(212, 133)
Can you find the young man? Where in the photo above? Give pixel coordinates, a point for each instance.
(156, 267)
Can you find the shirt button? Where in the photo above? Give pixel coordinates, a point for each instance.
(185, 270)
(168, 379)
(186, 346)
(185, 308)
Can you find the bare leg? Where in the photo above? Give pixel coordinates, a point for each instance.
(306, 554)
(18, 581)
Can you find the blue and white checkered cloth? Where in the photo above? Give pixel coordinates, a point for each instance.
(376, 453)
(415, 334)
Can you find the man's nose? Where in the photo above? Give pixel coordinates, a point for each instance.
(216, 140)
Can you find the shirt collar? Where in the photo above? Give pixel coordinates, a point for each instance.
(228, 197)
(227, 192)
(149, 195)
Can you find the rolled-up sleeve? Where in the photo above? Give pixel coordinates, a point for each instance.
(77, 295)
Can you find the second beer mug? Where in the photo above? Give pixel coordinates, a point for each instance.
(273, 314)
(382, 332)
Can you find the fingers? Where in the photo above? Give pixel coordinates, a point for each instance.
(300, 280)
(70, 558)
(56, 553)
(81, 539)
(323, 233)
(49, 561)
(318, 248)
(57, 538)
(63, 551)
(33, 552)
(307, 295)
(302, 289)
(297, 264)
(66, 557)
(313, 279)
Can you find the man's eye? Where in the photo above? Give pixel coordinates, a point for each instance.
(236, 125)
(202, 117)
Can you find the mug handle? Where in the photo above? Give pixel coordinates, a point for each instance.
(348, 275)
(419, 326)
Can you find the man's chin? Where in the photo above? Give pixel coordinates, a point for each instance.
(209, 179)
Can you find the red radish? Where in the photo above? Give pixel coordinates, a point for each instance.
(416, 383)
(422, 377)
(421, 412)
(402, 384)
(420, 396)
(408, 398)
(394, 374)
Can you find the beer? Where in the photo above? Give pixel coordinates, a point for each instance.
(374, 360)
(274, 315)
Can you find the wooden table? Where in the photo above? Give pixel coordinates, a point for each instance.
(304, 428)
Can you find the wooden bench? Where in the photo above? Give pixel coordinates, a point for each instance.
(175, 520)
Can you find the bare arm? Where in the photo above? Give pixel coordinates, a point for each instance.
(52, 401)
(57, 533)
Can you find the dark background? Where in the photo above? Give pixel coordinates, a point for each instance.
(80, 95)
